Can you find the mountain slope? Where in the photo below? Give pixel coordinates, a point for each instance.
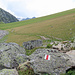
(56, 26)
(7, 17)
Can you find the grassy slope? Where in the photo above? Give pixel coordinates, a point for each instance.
(60, 25)
(22, 23)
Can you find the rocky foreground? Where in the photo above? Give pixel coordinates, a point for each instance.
(12, 55)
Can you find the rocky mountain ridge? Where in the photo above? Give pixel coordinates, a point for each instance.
(6, 17)
(22, 19)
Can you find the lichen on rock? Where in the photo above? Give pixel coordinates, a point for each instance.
(8, 72)
(11, 55)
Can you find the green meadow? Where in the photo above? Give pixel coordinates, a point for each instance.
(59, 26)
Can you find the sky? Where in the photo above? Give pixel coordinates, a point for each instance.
(35, 8)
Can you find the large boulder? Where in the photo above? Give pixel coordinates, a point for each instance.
(11, 55)
(56, 64)
(32, 44)
(8, 72)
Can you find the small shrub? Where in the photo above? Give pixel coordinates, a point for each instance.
(62, 48)
(56, 44)
(72, 48)
(72, 40)
(70, 72)
(49, 46)
(26, 72)
(29, 52)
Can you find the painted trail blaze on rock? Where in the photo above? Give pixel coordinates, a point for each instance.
(47, 57)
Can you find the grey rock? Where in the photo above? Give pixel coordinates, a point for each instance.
(8, 72)
(11, 55)
(73, 44)
(3, 33)
(32, 44)
(72, 55)
(58, 63)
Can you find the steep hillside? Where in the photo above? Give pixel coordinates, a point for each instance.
(59, 26)
(6, 17)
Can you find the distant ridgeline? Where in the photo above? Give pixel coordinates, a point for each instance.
(22, 19)
(6, 17)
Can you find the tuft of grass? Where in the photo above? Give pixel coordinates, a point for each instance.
(26, 72)
(49, 46)
(70, 72)
(72, 48)
(29, 52)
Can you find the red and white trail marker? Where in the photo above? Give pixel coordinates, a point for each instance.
(47, 57)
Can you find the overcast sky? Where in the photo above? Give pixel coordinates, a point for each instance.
(36, 8)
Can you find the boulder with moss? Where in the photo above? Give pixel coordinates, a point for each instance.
(11, 55)
(32, 44)
(58, 63)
